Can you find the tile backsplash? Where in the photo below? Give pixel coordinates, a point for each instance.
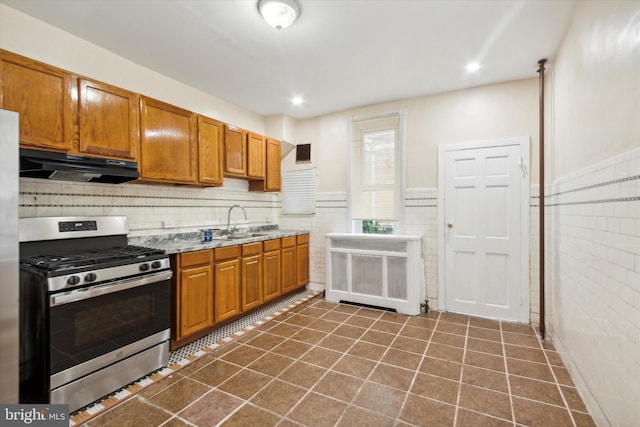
(151, 209)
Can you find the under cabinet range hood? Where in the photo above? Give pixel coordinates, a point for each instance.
(72, 167)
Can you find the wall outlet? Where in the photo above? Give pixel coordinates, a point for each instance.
(169, 224)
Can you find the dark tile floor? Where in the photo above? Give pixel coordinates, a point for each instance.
(324, 364)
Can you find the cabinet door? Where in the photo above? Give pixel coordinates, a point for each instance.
(108, 120)
(251, 282)
(44, 97)
(235, 155)
(289, 280)
(210, 151)
(168, 149)
(195, 292)
(272, 179)
(272, 276)
(255, 156)
(302, 264)
(227, 289)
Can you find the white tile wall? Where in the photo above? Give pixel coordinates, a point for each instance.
(593, 281)
(330, 216)
(420, 210)
(149, 207)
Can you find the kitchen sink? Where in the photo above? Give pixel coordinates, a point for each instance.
(238, 236)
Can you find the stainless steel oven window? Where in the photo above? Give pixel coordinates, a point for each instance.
(88, 328)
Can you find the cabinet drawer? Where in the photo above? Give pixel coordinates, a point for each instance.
(189, 259)
(288, 241)
(304, 238)
(271, 245)
(227, 252)
(251, 249)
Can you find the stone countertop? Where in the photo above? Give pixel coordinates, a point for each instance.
(188, 242)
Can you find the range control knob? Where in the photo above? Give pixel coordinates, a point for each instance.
(156, 264)
(144, 267)
(91, 277)
(73, 280)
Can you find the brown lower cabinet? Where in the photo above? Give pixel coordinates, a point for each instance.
(215, 286)
(289, 280)
(272, 270)
(302, 260)
(251, 275)
(194, 292)
(227, 283)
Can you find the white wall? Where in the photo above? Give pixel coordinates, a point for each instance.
(597, 86)
(593, 219)
(494, 111)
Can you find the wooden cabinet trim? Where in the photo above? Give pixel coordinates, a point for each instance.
(271, 245)
(227, 252)
(189, 259)
(288, 241)
(251, 249)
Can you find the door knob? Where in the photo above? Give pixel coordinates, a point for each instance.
(450, 224)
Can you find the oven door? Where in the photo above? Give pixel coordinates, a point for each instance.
(93, 327)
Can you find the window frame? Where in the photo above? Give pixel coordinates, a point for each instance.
(355, 225)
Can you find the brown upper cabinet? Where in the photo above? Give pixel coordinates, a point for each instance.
(235, 151)
(62, 111)
(272, 178)
(168, 146)
(108, 121)
(255, 156)
(44, 96)
(210, 151)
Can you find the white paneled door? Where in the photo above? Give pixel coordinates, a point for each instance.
(485, 227)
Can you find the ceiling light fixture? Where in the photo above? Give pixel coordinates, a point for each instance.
(472, 67)
(279, 13)
(297, 100)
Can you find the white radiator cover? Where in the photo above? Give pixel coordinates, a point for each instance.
(384, 270)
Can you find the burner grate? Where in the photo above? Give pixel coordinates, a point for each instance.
(64, 261)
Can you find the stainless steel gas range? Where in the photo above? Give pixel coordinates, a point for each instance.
(94, 311)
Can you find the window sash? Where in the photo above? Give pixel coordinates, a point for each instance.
(377, 197)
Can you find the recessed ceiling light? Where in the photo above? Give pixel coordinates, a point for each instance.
(472, 67)
(297, 100)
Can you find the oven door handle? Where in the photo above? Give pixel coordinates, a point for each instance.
(108, 288)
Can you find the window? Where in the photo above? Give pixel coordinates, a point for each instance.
(376, 173)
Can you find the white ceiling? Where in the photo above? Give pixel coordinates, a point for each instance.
(339, 54)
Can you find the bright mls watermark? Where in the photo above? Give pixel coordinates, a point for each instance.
(34, 415)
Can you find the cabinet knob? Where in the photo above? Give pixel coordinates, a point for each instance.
(450, 224)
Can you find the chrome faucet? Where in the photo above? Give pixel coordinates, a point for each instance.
(229, 216)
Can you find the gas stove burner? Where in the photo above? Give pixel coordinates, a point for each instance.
(59, 262)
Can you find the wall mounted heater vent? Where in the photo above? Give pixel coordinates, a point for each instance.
(303, 153)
